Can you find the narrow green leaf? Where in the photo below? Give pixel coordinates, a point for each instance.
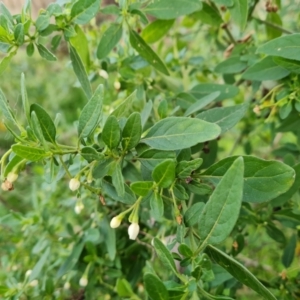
(151, 158)
(91, 113)
(208, 15)
(146, 52)
(176, 133)
(288, 64)
(125, 106)
(5, 109)
(4, 63)
(132, 131)
(39, 265)
(239, 13)
(287, 46)
(166, 10)
(185, 168)
(275, 19)
(19, 34)
(12, 164)
(29, 153)
(111, 133)
(123, 288)
(37, 129)
(141, 188)
(155, 288)
(221, 212)
(5, 12)
(231, 65)
(156, 30)
(90, 154)
(164, 255)
(184, 250)
(42, 22)
(289, 251)
(117, 179)
(109, 235)
(192, 214)
(46, 123)
(109, 40)
(24, 96)
(238, 271)
(45, 53)
(157, 206)
(80, 72)
(164, 173)
(83, 11)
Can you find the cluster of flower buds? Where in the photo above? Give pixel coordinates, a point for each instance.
(7, 185)
(133, 229)
(270, 7)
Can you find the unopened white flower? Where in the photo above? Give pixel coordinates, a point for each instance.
(103, 74)
(28, 272)
(74, 184)
(67, 285)
(117, 85)
(115, 222)
(83, 281)
(34, 283)
(133, 231)
(78, 207)
(4, 186)
(12, 176)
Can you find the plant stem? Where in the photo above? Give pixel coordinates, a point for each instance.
(275, 26)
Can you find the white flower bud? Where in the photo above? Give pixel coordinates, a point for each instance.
(83, 281)
(133, 231)
(34, 283)
(117, 85)
(28, 272)
(78, 207)
(7, 186)
(115, 222)
(4, 186)
(67, 285)
(103, 74)
(12, 176)
(74, 184)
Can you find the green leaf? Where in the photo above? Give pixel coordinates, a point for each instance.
(39, 265)
(275, 19)
(157, 206)
(111, 133)
(12, 164)
(289, 251)
(109, 235)
(192, 214)
(227, 91)
(24, 96)
(125, 106)
(117, 179)
(289, 64)
(201, 103)
(164, 255)
(37, 129)
(19, 34)
(185, 168)
(231, 65)
(239, 13)
(91, 113)
(123, 288)
(151, 158)
(5, 12)
(83, 11)
(266, 69)
(275, 233)
(132, 131)
(90, 154)
(5, 109)
(4, 63)
(29, 153)
(45, 53)
(225, 117)
(146, 52)
(46, 123)
(156, 30)
(166, 10)
(287, 46)
(208, 15)
(80, 72)
(176, 133)
(109, 40)
(164, 173)
(221, 212)
(239, 272)
(263, 180)
(42, 22)
(155, 288)
(142, 188)
(30, 49)
(184, 250)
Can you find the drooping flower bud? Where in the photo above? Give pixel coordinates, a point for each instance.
(74, 184)
(12, 177)
(117, 85)
(78, 207)
(7, 186)
(115, 222)
(133, 231)
(83, 281)
(103, 74)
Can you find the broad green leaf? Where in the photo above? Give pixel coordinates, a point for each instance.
(142, 188)
(80, 72)
(287, 218)
(12, 164)
(227, 91)
(24, 96)
(208, 15)
(275, 233)
(132, 131)
(123, 109)
(289, 251)
(184, 250)
(83, 11)
(289, 64)
(176, 133)
(164, 173)
(185, 168)
(30, 49)
(5, 12)
(275, 19)
(231, 65)
(157, 206)
(227, 3)
(39, 265)
(146, 52)
(42, 22)
(199, 188)
(37, 129)
(45, 53)
(90, 154)
(155, 288)
(221, 212)
(71, 261)
(225, 117)
(123, 288)
(91, 113)
(166, 10)
(156, 30)
(111, 133)
(239, 13)
(117, 179)
(263, 180)
(151, 158)
(192, 214)
(164, 255)
(54, 43)
(238, 271)
(201, 103)
(19, 34)
(109, 40)
(266, 69)
(4, 63)
(109, 235)
(46, 123)
(5, 109)
(29, 153)
(287, 46)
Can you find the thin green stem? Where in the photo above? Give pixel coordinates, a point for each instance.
(3, 160)
(272, 25)
(228, 32)
(65, 166)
